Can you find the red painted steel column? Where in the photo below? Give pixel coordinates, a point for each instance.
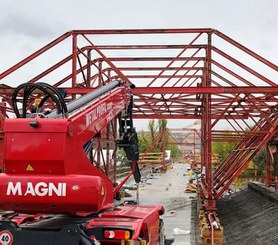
(209, 202)
(200, 97)
(89, 64)
(100, 73)
(74, 61)
(109, 75)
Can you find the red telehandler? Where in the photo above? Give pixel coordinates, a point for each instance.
(53, 189)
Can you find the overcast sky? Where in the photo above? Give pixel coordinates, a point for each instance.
(27, 25)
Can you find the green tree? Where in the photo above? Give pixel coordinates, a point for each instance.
(152, 128)
(222, 149)
(162, 124)
(146, 139)
(260, 159)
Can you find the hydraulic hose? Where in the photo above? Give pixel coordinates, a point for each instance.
(48, 91)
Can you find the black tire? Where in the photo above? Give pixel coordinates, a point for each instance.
(161, 233)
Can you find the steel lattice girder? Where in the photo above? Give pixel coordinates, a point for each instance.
(179, 74)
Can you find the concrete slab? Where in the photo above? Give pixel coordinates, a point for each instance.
(168, 189)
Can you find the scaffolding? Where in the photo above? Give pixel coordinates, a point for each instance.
(179, 74)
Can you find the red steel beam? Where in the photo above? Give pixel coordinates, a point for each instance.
(74, 60)
(206, 90)
(129, 47)
(153, 68)
(230, 72)
(143, 31)
(153, 59)
(183, 90)
(246, 50)
(262, 133)
(161, 76)
(34, 55)
(174, 59)
(107, 60)
(248, 69)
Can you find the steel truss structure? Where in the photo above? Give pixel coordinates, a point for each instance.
(179, 74)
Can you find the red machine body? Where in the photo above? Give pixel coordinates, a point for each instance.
(49, 177)
(46, 168)
(143, 220)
